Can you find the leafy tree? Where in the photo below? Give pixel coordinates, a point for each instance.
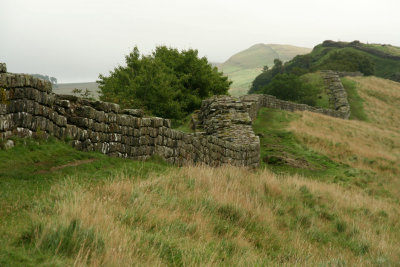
(291, 87)
(167, 83)
(266, 76)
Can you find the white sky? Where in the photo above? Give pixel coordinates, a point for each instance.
(75, 40)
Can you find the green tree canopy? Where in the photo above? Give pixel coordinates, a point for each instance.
(347, 60)
(291, 87)
(266, 76)
(168, 83)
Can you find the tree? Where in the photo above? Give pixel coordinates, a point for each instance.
(266, 76)
(168, 83)
(291, 87)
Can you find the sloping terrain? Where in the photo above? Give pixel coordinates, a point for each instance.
(244, 66)
(330, 197)
(385, 58)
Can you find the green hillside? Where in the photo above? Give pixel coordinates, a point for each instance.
(370, 59)
(244, 66)
(385, 58)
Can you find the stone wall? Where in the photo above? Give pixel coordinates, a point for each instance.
(335, 89)
(28, 108)
(224, 132)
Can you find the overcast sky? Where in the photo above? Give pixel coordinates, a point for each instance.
(75, 40)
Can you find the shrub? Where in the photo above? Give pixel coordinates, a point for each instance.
(291, 87)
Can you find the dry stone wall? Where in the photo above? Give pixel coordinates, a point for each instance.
(28, 108)
(335, 89)
(224, 133)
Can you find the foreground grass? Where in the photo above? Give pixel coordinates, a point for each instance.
(28, 173)
(201, 215)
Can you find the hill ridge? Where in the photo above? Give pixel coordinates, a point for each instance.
(245, 65)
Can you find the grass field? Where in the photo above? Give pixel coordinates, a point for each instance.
(329, 196)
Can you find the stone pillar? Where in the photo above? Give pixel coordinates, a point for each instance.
(3, 68)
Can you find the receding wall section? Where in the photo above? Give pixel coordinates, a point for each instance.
(334, 87)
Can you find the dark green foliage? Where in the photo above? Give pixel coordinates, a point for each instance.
(395, 77)
(67, 240)
(291, 87)
(167, 83)
(347, 60)
(265, 78)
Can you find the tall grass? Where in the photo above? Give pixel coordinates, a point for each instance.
(229, 216)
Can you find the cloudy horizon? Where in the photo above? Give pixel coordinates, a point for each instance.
(75, 41)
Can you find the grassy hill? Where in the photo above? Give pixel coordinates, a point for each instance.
(244, 66)
(327, 194)
(67, 88)
(385, 58)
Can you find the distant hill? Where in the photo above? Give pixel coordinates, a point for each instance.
(244, 66)
(370, 59)
(67, 88)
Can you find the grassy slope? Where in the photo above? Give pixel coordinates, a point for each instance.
(344, 210)
(383, 67)
(244, 66)
(389, 49)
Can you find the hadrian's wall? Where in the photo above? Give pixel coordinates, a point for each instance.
(337, 98)
(28, 107)
(224, 133)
